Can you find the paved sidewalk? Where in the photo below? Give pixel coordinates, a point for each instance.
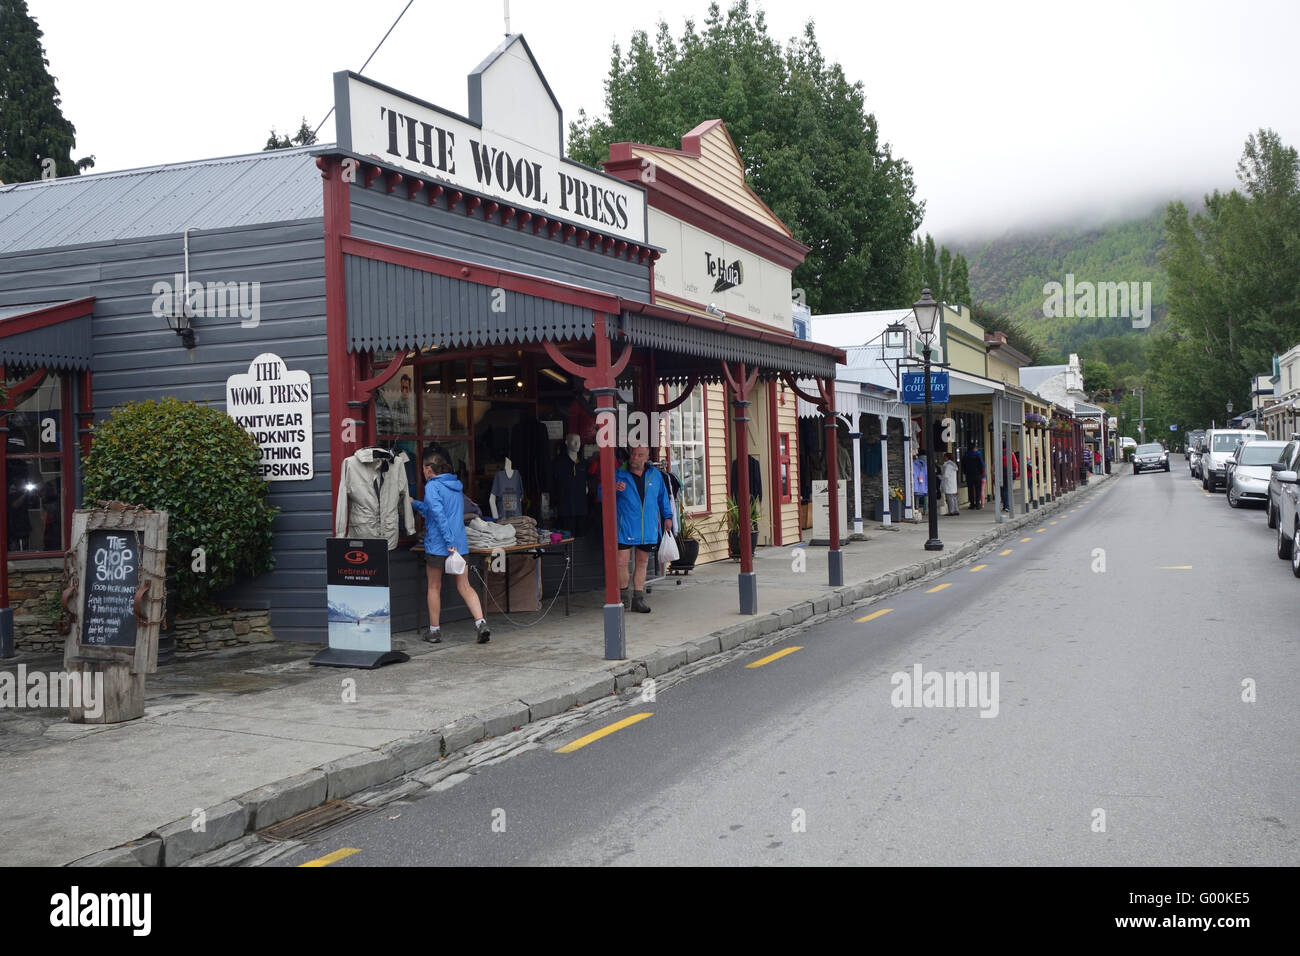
(251, 736)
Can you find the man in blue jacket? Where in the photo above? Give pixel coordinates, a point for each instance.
(644, 510)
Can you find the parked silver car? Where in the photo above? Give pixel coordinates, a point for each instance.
(1247, 472)
(1289, 460)
(1288, 522)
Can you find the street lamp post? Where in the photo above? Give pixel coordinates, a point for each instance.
(926, 311)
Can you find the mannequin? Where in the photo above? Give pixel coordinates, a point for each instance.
(569, 485)
(506, 499)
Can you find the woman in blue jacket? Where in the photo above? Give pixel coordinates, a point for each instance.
(644, 510)
(443, 510)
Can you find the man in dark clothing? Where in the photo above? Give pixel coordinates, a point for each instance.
(972, 466)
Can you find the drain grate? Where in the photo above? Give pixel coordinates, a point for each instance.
(296, 828)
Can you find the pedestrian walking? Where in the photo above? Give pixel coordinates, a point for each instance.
(1007, 476)
(443, 510)
(972, 467)
(920, 483)
(950, 483)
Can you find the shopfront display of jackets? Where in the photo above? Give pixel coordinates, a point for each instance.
(373, 496)
(755, 479)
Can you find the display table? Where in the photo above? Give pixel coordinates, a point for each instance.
(538, 552)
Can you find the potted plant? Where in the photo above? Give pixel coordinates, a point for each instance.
(731, 521)
(688, 543)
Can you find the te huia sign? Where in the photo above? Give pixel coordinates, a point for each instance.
(509, 148)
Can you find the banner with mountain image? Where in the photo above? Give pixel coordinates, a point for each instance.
(358, 594)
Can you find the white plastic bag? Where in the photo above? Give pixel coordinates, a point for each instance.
(668, 552)
(454, 564)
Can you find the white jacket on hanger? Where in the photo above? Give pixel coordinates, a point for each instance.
(372, 495)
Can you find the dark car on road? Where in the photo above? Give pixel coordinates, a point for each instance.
(1152, 455)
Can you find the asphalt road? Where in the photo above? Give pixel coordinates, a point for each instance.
(1120, 635)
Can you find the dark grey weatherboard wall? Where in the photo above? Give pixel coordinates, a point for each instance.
(137, 357)
(396, 307)
(413, 224)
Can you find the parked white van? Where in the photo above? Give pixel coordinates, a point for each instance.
(1218, 446)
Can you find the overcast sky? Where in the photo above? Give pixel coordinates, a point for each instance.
(1008, 112)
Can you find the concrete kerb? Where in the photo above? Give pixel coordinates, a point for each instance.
(179, 841)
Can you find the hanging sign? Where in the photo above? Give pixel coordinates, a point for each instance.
(517, 161)
(914, 388)
(273, 404)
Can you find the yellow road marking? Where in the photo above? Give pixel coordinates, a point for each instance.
(774, 657)
(591, 738)
(329, 858)
(1041, 530)
(939, 587)
(1023, 540)
(1051, 522)
(1003, 554)
(874, 614)
(1176, 567)
(978, 567)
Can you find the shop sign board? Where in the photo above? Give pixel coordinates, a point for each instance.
(273, 404)
(517, 160)
(914, 388)
(702, 268)
(356, 581)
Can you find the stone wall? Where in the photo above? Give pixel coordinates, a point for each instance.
(34, 586)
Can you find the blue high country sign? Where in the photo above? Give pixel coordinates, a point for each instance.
(914, 388)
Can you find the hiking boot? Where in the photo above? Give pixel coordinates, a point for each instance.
(481, 627)
(433, 635)
(638, 603)
(627, 598)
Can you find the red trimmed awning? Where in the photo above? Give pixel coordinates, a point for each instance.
(47, 335)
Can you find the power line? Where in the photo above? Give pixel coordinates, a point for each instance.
(368, 59)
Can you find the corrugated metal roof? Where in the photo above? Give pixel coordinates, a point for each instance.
(271, 186)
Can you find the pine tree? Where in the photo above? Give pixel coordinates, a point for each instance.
(945, 275)
(304, 137)
(931, 266)
(33, 130)
(959, 281)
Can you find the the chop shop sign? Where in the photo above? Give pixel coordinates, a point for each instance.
(273, 404)
(436, 146)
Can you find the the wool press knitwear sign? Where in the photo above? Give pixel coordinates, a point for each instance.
(273, 404)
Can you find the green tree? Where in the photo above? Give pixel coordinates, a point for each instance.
(1234, 285)
(304, 137)
(930, 266)
(993, 321)
(33, 129)
(810, 149)
(1098, 379)
(959, 280)
(198, 465)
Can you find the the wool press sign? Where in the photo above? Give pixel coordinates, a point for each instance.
(273, 404)
(436, 145)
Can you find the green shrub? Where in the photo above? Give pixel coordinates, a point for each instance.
(195, 463)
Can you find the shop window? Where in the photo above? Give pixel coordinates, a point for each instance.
(37, 458)
(686, 447)
(783, 465)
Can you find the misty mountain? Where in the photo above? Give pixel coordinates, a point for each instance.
(1008, 274)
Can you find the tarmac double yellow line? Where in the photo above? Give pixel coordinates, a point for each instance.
(334, 857)
(773, 657)
(875, 614)
(592, 737)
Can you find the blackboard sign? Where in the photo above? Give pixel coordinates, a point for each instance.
(112, 577)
